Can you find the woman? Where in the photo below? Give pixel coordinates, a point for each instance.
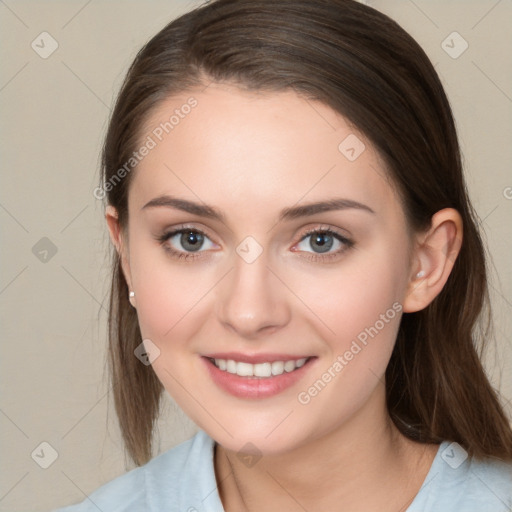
(297, 264)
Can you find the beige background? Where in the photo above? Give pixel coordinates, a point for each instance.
(54, 114)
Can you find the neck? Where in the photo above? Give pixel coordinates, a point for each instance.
(366, 452)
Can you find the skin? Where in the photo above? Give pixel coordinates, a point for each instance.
(250, 155)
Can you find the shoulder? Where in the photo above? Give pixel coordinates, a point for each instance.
(177, 479)
(466, 484)
(489, 481)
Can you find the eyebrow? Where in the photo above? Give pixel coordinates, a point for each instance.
(294, 212)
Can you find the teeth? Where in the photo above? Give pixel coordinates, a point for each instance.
(277, 368)
(260, 369)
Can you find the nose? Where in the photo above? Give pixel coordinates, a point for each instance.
(253, 301)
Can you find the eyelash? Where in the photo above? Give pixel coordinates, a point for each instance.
(315, 257)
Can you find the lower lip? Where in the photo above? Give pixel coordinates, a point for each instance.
(255, 387)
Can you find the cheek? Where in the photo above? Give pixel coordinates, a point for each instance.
(166, 291)
(172, 307)
(355, 296)
(357, 311)
(364, 311)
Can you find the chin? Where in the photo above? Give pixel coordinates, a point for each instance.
(257, 438)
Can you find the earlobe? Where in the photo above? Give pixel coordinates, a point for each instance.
(435, 254)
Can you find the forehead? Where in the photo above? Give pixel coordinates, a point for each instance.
(269, 148)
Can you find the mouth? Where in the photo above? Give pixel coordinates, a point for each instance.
(256, 377)
(262, 370)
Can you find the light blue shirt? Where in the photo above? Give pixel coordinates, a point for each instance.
(182, 479)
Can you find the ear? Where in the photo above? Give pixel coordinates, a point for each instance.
(434, 256)
(116, 236)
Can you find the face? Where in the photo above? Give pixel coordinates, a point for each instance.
(266, 280)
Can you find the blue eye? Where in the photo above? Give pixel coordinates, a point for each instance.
(188, 244)
(321, 242)
(190, 240)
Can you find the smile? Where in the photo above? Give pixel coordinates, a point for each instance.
(266, 376)
(260, 370)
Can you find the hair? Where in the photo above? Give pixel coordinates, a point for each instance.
(364, 66)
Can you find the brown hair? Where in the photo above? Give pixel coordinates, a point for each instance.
(366, 67)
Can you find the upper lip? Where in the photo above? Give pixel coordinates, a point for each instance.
(255, 358)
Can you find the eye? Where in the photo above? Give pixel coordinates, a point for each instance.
(183, 242)
(323, 243)
(320, 243)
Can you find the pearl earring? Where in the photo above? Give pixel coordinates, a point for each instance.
(421, 273)
(131, 298)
